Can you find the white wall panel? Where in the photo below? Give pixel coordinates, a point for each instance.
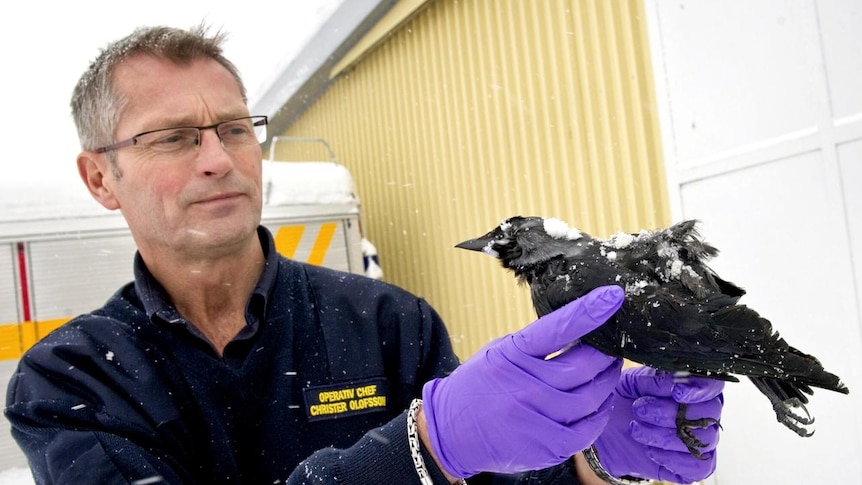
(761, 117)
(739, 72)
(850, 163)
(779, 243)
(842, 48)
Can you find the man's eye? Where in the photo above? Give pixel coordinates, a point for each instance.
(172, 140)
(237, 131)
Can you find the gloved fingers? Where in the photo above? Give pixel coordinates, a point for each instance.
(585, 400)
(587, 429)
(573, 435)
(693, 389)
(571, 369)
(646, 381)
(642, 381)
(564, 406)
(569, 323)
(681, 467)
(554, 388)
(667, 439)
(662, 412)
(555, 437)
(557, 441)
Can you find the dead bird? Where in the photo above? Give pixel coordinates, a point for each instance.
(678, 315)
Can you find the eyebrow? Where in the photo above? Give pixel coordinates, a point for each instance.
(183, 122)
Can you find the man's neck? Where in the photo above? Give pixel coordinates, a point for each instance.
(212, 294)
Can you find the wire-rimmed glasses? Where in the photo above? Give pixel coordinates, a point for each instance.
(235, 133)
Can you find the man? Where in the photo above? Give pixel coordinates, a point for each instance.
(224, 362)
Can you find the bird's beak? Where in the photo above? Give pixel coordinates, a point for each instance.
(478, 244)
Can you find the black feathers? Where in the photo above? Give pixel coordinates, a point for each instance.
(678, 315)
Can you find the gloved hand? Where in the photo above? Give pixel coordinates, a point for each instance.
(640, 439)
(508, 409)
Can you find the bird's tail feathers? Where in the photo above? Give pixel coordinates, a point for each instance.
(806, 370)
(762, 351)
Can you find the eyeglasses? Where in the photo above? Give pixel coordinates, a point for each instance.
(236, 133)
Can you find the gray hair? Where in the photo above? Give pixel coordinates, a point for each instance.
(97, 105)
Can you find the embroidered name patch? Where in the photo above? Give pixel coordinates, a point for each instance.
(345, 399)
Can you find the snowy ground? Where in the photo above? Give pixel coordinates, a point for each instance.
(16, 476)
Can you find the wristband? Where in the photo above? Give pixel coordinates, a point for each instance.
(592, 457)
(415, 446)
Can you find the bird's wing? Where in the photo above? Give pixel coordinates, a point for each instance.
(564, 279)
(677, 253)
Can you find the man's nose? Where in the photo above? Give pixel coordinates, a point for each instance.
(212, 157)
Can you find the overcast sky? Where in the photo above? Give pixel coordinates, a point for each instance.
(46, 47)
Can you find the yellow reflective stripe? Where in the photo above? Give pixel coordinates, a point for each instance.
(44, 327)
(321, 244)
(10, 341)
(16, 338)
(287, 240)
(28, 335)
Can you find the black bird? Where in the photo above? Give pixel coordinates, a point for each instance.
(678, 314)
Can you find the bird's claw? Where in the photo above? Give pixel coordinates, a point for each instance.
(685, 431)
(787, 415)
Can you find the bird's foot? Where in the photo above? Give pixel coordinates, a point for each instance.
(685, 431)
(786, 412)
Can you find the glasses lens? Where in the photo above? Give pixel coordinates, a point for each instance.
(260, 123)
(170, 140)
(244, 131)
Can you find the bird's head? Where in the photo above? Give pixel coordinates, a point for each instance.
(521, 243)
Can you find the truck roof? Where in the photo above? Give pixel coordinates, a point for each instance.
(54, 203)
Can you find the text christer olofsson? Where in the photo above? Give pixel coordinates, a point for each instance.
(335, 402)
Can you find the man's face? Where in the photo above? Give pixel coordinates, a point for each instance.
(202, 204)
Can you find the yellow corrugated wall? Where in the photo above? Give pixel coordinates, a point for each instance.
(476, 110)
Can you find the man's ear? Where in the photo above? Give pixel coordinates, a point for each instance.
(95, 170)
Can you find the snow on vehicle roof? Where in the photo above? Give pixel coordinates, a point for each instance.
(293, 183)
(284, 184)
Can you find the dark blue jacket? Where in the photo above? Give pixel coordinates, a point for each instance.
(133, 393)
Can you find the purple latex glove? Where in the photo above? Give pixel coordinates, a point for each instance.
(508, 409)
(640, 439)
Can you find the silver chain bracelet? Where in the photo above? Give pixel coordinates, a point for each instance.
(415, 450)
(592, 457)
